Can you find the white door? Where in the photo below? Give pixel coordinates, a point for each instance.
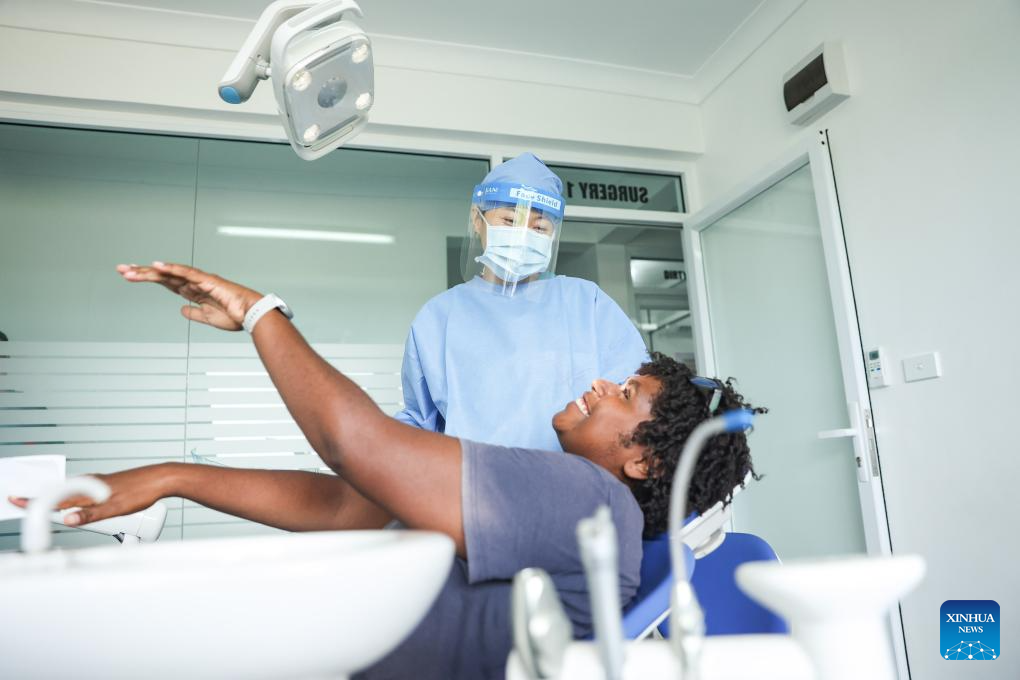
(774, 308)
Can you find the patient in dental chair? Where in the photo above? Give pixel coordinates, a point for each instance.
(505, 509)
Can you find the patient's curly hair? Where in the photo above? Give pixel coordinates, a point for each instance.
(677, 409)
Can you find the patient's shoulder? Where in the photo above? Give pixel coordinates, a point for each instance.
(539, 475)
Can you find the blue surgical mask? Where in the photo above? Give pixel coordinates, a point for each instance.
(512, 256)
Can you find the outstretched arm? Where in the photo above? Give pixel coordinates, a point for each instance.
(412, 474)
(291, 500)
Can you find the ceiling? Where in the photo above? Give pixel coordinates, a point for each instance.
(680, 49)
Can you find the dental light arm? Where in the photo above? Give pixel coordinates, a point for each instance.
(687, 620)
(252, 61)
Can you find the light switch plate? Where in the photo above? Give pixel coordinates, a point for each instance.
(922, 367)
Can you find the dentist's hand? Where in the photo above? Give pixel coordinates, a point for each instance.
(130, 491)
(221, 303)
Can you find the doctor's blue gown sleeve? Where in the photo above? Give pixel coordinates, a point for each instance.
(623, 350)
(419, 409)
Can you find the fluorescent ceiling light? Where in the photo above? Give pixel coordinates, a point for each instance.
(306, 234)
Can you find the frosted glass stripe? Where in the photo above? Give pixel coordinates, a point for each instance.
(99, 383)
(305, 461)
(92, 365)
(209, 414)
(203, 431)
(180, 350)
(220, 382)
(166, 350)
(199, 383)
(238, 447)
(248, 366)
(108, 382)
(328, 350)
(90, 399)
(266, 408)
(84, 416)
(78, 451)
(91, 433)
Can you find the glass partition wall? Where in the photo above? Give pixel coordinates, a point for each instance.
(640, 267)
(110, 375)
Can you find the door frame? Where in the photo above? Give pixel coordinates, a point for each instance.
(814, 152)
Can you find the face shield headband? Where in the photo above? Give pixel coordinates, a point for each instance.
(485, 196)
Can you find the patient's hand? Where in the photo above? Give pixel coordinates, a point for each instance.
(221, 303)
(130, 491)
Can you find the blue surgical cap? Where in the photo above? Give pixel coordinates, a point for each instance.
(526, 169)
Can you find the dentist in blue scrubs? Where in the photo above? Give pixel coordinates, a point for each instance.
(493, 358)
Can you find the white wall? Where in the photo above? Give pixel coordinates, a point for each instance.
(925, 155)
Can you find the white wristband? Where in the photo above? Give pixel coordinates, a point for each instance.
(259, 309)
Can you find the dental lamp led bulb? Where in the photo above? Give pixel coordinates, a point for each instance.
(322, 70)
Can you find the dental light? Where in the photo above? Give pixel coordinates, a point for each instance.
(322, 70)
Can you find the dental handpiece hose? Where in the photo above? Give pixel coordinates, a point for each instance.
(687, 620)
(596, 537)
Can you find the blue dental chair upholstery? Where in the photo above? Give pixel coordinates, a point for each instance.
(728, 611)
(650, 605)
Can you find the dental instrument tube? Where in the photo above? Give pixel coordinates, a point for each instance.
(596, 538)
(687, 620)
(541, 630)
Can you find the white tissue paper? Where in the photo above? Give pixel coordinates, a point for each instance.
(27, 476)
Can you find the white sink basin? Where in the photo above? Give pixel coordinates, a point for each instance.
(307, 605)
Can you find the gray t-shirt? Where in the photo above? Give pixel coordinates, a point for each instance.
(521, 509)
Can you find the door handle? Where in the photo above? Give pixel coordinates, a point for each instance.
(838, 434)
(854, 432)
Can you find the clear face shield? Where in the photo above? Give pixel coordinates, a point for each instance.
(513, 236)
